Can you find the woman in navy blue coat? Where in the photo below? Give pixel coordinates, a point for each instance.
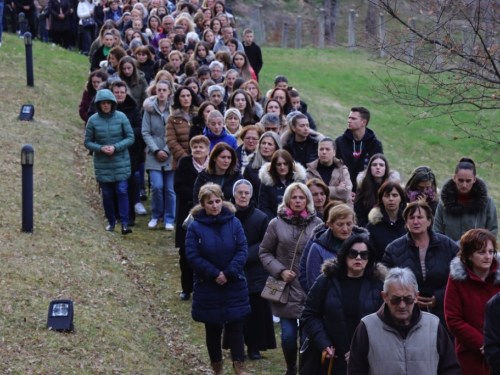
(348, 290)
(216, 250)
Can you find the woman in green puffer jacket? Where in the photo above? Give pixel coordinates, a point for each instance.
(109, 135)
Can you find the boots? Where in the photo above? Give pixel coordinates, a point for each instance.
(239, 368)
(291, 361)
(217, 367)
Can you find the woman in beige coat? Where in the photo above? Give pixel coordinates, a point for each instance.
(283, 243)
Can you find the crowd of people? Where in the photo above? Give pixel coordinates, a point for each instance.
(379, 274)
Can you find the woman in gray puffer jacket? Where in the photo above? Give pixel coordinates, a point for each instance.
(159, 157)
(283, 244)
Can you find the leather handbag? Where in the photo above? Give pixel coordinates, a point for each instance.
(87, 22)
(278, 290)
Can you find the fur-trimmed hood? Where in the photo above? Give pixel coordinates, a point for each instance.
(258, 110)
(330, 269)
(198, 208)
(299, 175)
(178, 112)
(393, 176)
(285, 137)
(478, 201)
(459, 271)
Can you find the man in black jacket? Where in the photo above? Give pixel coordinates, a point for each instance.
(28, 8)
(253, 52)
(492, 334)
(358, 144)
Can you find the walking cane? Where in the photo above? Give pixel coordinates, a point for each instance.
(330, 365)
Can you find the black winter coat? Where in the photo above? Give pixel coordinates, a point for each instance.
(252, 174)
(184, 179)
(404, 253)
(369, 146)
(147, 69)
(97, 57)
(383, 231)
(254, 224)
(197, 127)
(492, 333)
(20, 4)
(227, 186)
(323, 316)
(136, 151)
(307, 154)
(57, 7)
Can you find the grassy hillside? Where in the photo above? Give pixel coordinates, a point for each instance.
(128, 315)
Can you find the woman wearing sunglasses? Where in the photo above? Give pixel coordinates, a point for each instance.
(427, 253)
(347, 290)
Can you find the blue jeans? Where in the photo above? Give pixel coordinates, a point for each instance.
(109, 189)
(289, 332)
(2, 3)
(163, 195)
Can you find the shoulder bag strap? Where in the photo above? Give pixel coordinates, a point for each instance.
(296, 247)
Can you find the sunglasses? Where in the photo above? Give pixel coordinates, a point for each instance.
(397, 300)
(353, 254)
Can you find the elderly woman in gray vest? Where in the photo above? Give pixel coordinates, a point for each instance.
(400, 338)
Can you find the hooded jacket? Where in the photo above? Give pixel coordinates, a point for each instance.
(464, 307)
(323, 316)
(223, 137)
(454, 219)
(339, 174)
(109, 129)
(276, 253)
(271, 194)
(368, 147)
(325, 246)
(308, 153)
(404, 253)
(383, 231)
(214, 245)
(153, 132)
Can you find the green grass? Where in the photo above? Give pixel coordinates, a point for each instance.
(128, 315)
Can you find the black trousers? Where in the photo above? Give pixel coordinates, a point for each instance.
(187, 277)
(233, 338)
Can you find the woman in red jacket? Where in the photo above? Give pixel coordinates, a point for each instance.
(474, 279)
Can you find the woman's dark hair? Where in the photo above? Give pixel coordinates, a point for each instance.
(274, 161)
(143, 50)
(238, 83)
(280, 79)
(106, 26)
(247, 117)
(474, 240)
(466, 163)
(118, 52)
(195, 53)
(225, 58)
(177, 94)
(288, 106)
(157, 18)
(386, 188)
(318, 183)
(245, 69)
(141, 37)
(191, 68)
(134, 78)
(282, 112)
(327, 209)
(418, 205)
(421, 174)
(98, 73)
(367, 192)
(218, 149)
(190, 80)
(215, 18)
(202, 108)
(340, 266)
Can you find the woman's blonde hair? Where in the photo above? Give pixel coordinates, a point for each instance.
(339, 212)
(207, 190)
(288, 195)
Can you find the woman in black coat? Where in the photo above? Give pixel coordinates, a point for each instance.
(200, 120)
(348, 290)
(221, 170)
(385, 220)
(60, 12)
(437, 251)
(258, 327)
(184, 179)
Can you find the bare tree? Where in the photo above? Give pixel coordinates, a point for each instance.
(331, 17)
(449, 52)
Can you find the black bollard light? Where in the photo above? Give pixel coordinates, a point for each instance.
(28, 45)
(22, 24)
(27, 161)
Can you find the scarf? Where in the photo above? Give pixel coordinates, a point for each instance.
(200, 167)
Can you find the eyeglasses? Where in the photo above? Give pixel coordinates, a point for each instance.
(353, 254)
(251, 139)
(408, 300)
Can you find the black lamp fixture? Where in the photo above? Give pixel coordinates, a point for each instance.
(27, 112)
(61, 316)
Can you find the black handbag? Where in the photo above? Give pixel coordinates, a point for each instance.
(87, 22)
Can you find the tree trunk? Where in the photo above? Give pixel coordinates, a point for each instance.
(331, 18)
(372, 18)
